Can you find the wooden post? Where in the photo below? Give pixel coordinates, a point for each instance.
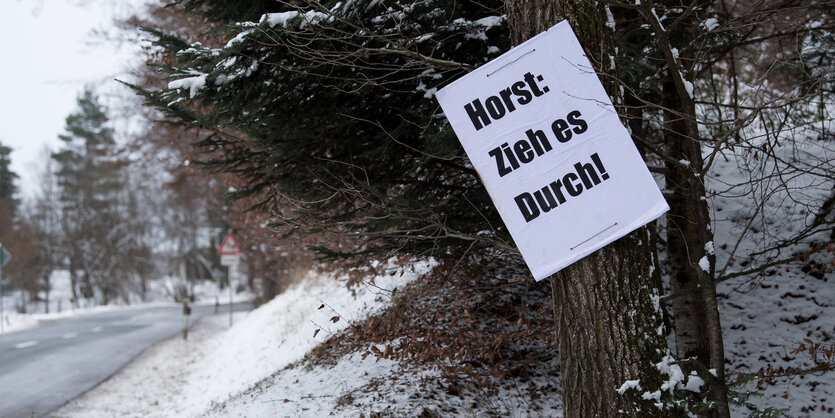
(4, 258)
(186, 313)
(229, 280)
(2, 314)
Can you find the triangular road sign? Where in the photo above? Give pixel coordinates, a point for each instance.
(5, 256)
(229, 246)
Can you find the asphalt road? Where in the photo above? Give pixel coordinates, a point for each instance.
(44, 367)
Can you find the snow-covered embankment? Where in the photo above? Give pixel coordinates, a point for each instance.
(187, 378)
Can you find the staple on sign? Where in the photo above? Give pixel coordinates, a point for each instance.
(511, 62)
(591, 237)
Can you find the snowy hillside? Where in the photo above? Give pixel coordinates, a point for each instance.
(268, 364)
(215, 364)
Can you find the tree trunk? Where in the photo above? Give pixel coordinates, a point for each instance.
(684, 244)
(697, 234)
(608, 320)
(86, 284)
(47, 289)
(610, 331)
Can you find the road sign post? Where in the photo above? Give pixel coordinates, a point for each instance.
(5, 257)
(230, 253)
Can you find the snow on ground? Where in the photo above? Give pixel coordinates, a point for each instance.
(137, 390)
(355, 386)
(13, 321)
(257, 368)
(766, 315)
(763, 321)
(160, 294)
(186, 378)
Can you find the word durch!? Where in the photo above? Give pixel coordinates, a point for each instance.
(584, 177)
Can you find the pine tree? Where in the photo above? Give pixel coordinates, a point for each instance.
(16, 235)
(45, 217)
(91, 189)
(353, 146)
(8, 189)
(8, 203)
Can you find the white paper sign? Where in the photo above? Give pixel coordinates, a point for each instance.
(229, 259)
(545, 139)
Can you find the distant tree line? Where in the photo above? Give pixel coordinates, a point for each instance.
(16, 233)
(117, 216)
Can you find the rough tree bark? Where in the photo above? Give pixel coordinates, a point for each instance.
(684, 244)
(605, 305)
(691, 189)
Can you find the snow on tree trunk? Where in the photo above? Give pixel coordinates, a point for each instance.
(608, 320)
(697, 234)
(610, 331)
(683, 239)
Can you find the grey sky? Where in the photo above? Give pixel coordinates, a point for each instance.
(48, 55)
